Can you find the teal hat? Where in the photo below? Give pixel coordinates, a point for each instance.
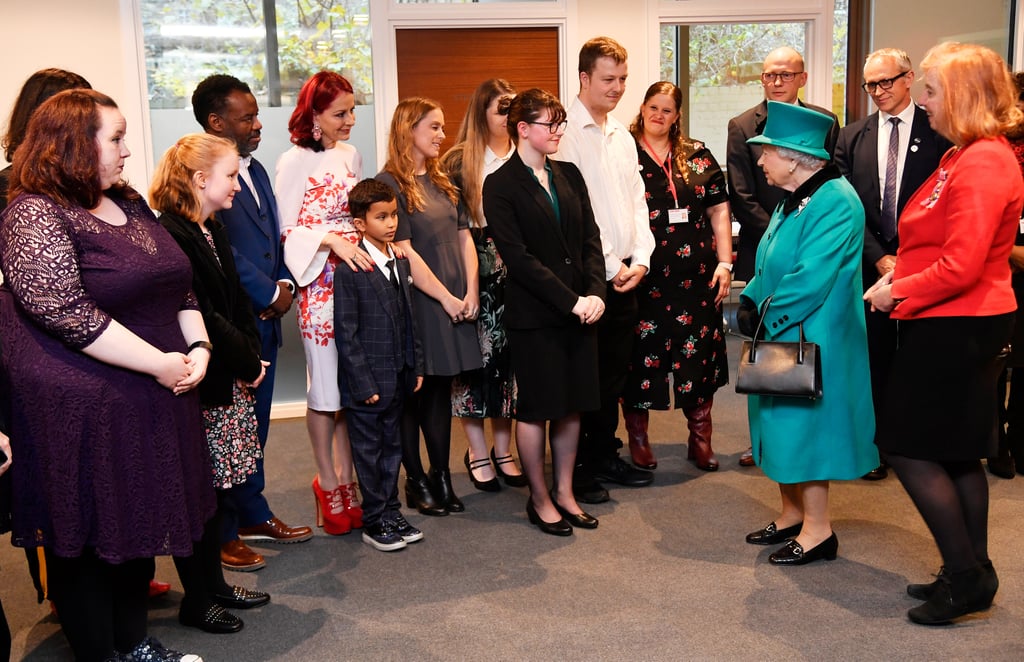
(797, 128)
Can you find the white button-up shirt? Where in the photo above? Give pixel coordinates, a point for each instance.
(607, 158)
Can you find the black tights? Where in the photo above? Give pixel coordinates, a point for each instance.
(5, 636)
(102, 606)
(201, 574)
(430, 409)
(952, 497)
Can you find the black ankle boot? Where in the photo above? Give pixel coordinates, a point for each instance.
(419, 495)
(925, 591)
(956, 594)
(441, 482)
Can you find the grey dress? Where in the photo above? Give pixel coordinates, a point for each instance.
(448, 348)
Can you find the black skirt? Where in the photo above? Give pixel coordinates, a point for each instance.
(940, 400)
(555, 371)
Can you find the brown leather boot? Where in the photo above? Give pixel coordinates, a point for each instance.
(698, 420)
(639, 447)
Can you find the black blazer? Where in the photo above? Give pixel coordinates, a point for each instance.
(551, 262)
(857, 158)
(227, 311)
(375, 331)
(751, 198)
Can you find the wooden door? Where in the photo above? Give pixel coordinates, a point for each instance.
(448, 64)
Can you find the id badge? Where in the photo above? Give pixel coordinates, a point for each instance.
(678, 216)
(1021, 222)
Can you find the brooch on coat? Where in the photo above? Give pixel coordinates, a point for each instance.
(940, 183)
(803, 203)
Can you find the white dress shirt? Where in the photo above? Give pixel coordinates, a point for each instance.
(606, 156)
(884, 131)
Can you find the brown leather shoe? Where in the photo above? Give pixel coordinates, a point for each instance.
(747, 458)
(236, 555)
(274, 530)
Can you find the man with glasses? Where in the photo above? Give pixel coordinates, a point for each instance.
(751, 197)
(886, 157)
(605, 152)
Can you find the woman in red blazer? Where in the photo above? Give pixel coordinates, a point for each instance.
(951, 292)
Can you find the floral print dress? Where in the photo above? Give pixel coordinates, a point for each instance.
(679, 330)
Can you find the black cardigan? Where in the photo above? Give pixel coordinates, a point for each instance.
(227, 310)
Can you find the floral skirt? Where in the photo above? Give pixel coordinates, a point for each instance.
(231, 435)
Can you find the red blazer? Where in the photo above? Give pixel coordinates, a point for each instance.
(956, 233)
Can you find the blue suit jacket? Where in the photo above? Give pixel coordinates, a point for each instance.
(255, 235)
(371, 343)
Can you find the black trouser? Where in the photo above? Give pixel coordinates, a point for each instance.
(102, 606)
(377, 453)
(5, 636)
(429, 409)
(615, 333)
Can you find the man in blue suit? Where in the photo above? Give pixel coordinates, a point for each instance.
(886, 165)
(225, 107)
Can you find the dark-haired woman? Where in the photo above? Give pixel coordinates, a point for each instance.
(102, 348)
(539, 213)
(679, 330)
(313, 180)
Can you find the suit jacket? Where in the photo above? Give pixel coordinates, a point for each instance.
(551, 262)
(255, 234)
(227, 311)
(857, 158)
(751, 197)
(375, 331)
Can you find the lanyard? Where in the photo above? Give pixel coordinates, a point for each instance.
(667, 169)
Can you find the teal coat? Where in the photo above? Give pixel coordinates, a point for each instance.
(810, 260)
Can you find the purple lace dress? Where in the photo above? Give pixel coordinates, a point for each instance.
(106, 457)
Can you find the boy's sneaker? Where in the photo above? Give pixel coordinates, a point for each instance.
(382, 536)
(408, 532)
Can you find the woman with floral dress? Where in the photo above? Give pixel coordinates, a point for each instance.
(313, 180)
(679, 331)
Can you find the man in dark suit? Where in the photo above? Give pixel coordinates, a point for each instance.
(751, 197)
(380, 363)
(886, 156)
(225, 107)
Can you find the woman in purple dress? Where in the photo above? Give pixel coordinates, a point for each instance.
(102, 348)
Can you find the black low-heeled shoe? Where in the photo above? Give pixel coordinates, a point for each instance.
(419, 495)
(215, 620)
(559, 528)
(510, 479)
(793, 553)
(772, 535)
(579, 520)
(241, 598)
(492, 485)
(441, 483)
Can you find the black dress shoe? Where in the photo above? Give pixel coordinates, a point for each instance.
(792, 553)
(491, 485)
(956, 594)
(771, 535)
(586, 489)
(559, 528)
(615, 470)
(579, 520)
(241, 598)
(511, 480)
(878, 473)
(216, 620)
(441, 482)
(1002, 465)
(419, 495)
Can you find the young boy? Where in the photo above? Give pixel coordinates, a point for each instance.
(380, 363)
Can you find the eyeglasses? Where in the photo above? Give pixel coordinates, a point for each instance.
(885, 84)
(553, 127)
(786, 76)
(504, 103)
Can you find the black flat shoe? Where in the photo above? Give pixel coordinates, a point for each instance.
(241, 598)
(510, 479)
(215, 620)
(956, 594)
(793, 554)
(771, 535)
(491, 485)
(418, 495)
(585, 488)
(580, 521)
(441, 483)
(559, 528)
(925, 591)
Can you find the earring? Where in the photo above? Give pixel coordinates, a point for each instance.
(792, 168)
(317, 133)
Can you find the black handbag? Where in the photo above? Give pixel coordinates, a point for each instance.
(786, 369)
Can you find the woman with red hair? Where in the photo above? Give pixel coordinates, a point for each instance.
(313, 181)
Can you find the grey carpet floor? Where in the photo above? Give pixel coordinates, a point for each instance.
(666, 576)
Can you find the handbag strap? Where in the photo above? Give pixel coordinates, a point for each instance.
(757, 334)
